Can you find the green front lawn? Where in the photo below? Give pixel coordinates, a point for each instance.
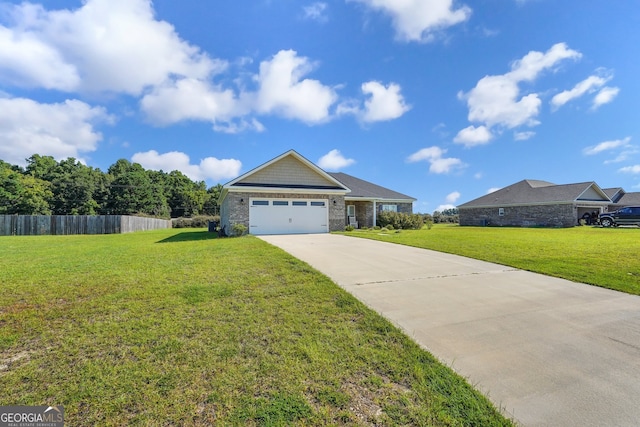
(176, 327)
(604, 257)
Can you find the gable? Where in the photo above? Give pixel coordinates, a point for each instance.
(286, 172)
(592, 194)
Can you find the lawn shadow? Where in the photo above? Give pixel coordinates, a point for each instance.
(190, 236)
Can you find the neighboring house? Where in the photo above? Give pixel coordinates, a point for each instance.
(621, 198)
(291, 195)
(532, 203)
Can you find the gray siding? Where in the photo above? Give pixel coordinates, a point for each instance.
(288, 170)
(559, 215)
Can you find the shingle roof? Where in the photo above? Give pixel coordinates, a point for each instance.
(614, 194)
(367, 190)
(629, 199)
(531, 192)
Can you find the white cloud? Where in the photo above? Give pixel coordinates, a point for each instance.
(334, 160)
(588, 85)
(635, 169)
(208, 168)
(493, 190)
(605, 96)
(119, 47)
(445, 165)
(606, 146)
(420, 20)
(316, 12)
(190, 99)
(384, 103)
(426, 154)
(27, 61)
(438, 164)
(60, 130)
(497, 101)
(442, 208)
(105, 45)
(623, 156)
(472, 136)
(453, 197)
(282, 92)
(523, 136)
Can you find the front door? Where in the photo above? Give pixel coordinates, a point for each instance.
(351, 210)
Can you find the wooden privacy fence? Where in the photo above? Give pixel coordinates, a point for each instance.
(35, 225)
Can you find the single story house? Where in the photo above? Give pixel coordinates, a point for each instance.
(291, 195)
(533, 203)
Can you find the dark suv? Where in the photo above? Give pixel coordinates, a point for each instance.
(629, 215)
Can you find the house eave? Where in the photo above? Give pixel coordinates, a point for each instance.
(279, 190)
(507, 205)
(377, 199)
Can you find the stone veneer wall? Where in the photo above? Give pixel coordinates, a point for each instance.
(233, 211)
(560, 215)
(364, 213)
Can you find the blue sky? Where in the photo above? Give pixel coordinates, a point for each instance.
(438, 99)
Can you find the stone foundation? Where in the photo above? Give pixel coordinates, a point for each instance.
(559, 215)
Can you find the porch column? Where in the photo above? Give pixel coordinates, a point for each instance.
(375, 211)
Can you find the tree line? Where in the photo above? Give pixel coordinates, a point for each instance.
(68, 187)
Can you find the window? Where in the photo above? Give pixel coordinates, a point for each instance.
(351, 210)
(299, 203)
(500, 211)
(389, 208)
(317, 203)
(260, 203)
(280, 203)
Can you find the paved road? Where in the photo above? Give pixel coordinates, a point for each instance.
(549, 352)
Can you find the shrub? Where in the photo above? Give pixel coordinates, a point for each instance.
(195, 222)
(349, 228)
(239, 229)
(403, 221)
(448, 216)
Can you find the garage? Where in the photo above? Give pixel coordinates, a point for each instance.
(288, 216)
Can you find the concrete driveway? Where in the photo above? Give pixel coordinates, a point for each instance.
(547, 351)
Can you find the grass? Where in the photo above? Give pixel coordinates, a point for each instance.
(176, 327)
(604, 257)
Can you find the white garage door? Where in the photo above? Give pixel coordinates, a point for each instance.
(288, 216)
